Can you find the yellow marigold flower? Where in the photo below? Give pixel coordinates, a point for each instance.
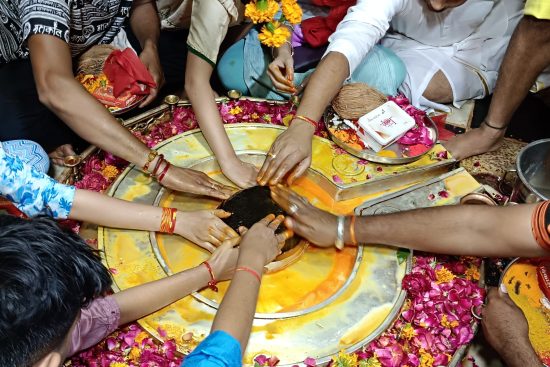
(345, 360)
(118, 364)
(444, 275)
(426, 359)
(291, 11)
(472, 273)
(235, 110)
(261, 11)
(109, 172)
(266, 118)
(274, 35)
(254, 116)
(287, 119)
(135, 353)
(141, 336)
(371, 362)
(408, 332)
(448, 324)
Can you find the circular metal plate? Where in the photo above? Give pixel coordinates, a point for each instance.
(393, 154)
(325, 302)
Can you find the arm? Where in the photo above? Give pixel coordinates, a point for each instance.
(281, 69)
(145, 24)
(364, 25)
(527, 56)
(205, 227)
(60, 92)
(458, 230)
(137, 302)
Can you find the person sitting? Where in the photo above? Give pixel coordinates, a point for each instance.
(526, 63)
(42, 101)
(469, 230)
(54, 306)
(246, 62)
(35, 193)
(451, 48)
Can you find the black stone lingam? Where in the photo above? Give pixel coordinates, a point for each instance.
(250, 205)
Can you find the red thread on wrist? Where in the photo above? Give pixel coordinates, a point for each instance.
(212, 284)
(157, 166)
(163, 173)
(250, 271)
(308, 120)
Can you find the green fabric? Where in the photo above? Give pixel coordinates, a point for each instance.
(195, 52)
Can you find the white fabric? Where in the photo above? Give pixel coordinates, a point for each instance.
(466, 42)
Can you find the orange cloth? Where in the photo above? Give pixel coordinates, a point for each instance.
(126, 72)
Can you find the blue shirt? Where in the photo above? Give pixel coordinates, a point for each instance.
(32, 191)
(219, 349)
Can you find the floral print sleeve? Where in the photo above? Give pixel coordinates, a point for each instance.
(32, 191)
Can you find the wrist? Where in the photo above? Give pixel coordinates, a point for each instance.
(150, 44)
(302, 126)
(251, 259)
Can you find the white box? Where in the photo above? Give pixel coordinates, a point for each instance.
(384, 125)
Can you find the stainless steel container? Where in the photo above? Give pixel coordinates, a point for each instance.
(533, 171)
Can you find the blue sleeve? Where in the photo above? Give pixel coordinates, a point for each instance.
(219, 349)
(32, 191)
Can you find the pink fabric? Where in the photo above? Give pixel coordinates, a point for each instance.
(97, 321)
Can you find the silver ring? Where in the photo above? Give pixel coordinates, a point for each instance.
(292, 209)
(475, 312)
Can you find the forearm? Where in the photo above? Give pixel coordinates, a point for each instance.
(142, 300)
(527, 56)
(238, 307)
(197, 87)
(145, 23)
(323, 85)
(519, 353)
(458, 230)
(93, 207)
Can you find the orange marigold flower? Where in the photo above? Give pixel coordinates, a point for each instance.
(291, 11)
(448, 324)
(274, 34)
(444, 275)
(109, 172)
(261, 11)
(426, 359)
(472, 273)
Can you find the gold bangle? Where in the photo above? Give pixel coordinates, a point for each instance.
(307, 119)
(150, 157)
(352, 230)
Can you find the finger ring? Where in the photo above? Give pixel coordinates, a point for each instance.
(292, 209)
(272, 155)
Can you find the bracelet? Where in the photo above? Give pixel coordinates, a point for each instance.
(163, 173)
(212, 283)
(251, 271)
(339, 232)
(291, 49)
(168, 220)
(157, 166)
(308, 120)
(495, 127)
(352, 230)
(152, 154)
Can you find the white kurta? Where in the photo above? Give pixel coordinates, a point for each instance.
(466, 43)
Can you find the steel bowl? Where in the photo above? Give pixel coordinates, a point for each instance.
(533, 170)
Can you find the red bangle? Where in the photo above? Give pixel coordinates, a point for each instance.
(163, 173)
(212, 283)
(157, 166)
(308, 120)
(251, 271)
(168, 220)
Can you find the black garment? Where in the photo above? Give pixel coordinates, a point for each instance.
(22, 116)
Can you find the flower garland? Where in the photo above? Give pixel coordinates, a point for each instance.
(435, 321)
(274, 33)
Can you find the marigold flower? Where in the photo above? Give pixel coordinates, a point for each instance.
(274, 34)
(426, 359)
(118, 364)
(408, 332)
(344, 360)
(109, 172)
(448, 324)
(371, 362)
(235, 110)
(472, 273)
(291, 11)
(261, 11)
(443, 275)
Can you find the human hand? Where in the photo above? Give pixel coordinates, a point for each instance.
(240, 173)
(281, 72)
(205, 228)
(290, 152)
(260, 245)
(150, 58)
(59, 154)
(195, 182)
(224, 259)
(506, 329)
(315, 225)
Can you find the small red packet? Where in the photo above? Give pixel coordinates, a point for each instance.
(543, 276)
